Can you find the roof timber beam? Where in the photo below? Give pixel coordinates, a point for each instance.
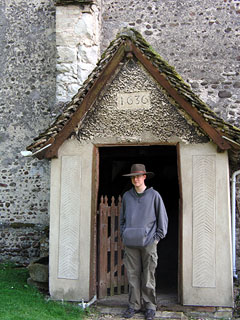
(212, 133)
(128, 48)
(87, 102)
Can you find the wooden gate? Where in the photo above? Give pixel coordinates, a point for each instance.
(112, 277)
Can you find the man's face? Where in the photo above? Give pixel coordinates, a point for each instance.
(138, 181)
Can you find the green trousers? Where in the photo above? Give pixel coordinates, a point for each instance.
(141, 263)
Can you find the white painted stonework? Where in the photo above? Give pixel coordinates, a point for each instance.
(204, 221)
(206, 235)
(70, 222)
(77, 41)
(68, 260)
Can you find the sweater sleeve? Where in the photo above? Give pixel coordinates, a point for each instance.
(162, 219)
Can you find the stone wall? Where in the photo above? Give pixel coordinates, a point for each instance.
(27, 106)
(33, 68)
(199, 38)
(20, 242)
(77, 43)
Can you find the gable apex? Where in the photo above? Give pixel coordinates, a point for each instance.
(128, 44)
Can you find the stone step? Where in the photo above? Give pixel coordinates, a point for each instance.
(108, 313)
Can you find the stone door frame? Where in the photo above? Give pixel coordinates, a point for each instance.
(73, 204)
(194, 162)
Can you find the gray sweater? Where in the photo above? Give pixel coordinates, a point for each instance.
(143, 218)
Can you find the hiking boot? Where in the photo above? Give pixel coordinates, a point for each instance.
(149, 314)
(129, 313)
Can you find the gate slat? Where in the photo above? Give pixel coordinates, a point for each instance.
(112, 253)
(103, 232)
(119, 249)
(112, 274)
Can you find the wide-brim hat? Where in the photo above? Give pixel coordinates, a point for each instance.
(137, 170)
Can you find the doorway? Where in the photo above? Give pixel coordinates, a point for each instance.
(162, 160)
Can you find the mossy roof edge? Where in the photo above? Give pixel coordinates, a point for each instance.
(177, 82)
(163, 67)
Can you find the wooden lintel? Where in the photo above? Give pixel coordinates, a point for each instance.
(193, 112)
(87, 102)
(135, 144)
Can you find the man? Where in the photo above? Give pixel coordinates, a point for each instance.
(143, 222)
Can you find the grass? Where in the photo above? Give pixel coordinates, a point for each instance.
(19, 301)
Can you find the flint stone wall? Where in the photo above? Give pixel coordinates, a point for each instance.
(27, 106)
(23, 242)
(199, 38)
(77, 41)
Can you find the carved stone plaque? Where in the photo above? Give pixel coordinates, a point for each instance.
(68, 267)
(204, 221)
(134, 100)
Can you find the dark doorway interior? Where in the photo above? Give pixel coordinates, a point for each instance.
(162, 160)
